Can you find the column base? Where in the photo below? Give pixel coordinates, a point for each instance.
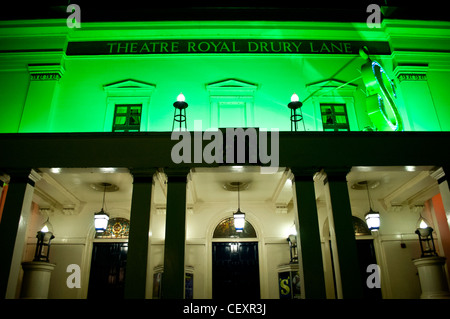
(36, 279)
(432, 278)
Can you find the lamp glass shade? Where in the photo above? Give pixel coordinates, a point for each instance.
(181, 98)
(425, 231)
(373, 220)
(423, 224)
(293, 239)
(101, 221)
(46, 227)
(294, 98)
(46, 232)
(239, 220)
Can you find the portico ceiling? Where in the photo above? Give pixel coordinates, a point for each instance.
(69, 189)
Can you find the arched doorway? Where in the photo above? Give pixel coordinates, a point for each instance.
(366, 256)
(235, 262)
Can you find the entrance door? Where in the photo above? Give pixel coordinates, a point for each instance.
(107, 277)
(366, 257)
(235, 270)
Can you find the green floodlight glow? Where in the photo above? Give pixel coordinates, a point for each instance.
(75, 100)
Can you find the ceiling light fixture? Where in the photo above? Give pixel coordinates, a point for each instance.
(101, 218)
(239, 217)
(372, 217)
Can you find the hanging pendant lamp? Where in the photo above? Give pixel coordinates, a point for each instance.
(372, 217)
(101, 218)
(239, 217)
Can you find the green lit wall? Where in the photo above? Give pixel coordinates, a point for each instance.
(276, 78)
(77, 102)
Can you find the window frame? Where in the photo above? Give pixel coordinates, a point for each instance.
(337, 127)
(229, 92)
(333, 92)
(127, 127)
(128, 92)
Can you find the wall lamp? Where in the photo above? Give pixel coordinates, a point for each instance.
(44, 238)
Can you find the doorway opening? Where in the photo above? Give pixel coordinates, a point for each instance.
(235, 270)
(107, 276)
(366, 257)
(235, 262)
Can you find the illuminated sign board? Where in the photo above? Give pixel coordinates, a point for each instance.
(224, 46)
(381, 96)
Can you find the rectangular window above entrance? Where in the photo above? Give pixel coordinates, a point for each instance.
(334, 117)
(232, 114)
(128, 106)
(127, 118)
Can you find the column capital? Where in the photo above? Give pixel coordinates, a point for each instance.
(23, 176)
(336, 175)
(177, 174)
(298, 174)
(142, 175)
(45, 72)
(438, 174)
(411, 72)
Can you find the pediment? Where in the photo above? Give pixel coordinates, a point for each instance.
(129, 88)
(231, 83)
(126, 84)
(231, 87)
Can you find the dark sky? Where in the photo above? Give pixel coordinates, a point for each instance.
(276, 10)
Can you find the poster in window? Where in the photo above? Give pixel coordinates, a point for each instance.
(289, 284)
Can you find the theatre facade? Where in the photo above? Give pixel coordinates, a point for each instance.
(172, 127)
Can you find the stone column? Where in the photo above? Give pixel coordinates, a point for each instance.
(432, 277)
(37, 115)
(36, 279)
(173, 283)
(347, 265)
(13, 228)
(417, 100)
(442, 208)
(309, 235)
(136, 271)
(441, 176)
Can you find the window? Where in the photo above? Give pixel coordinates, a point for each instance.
(226, 229)
(333, 105)
(334, 117)
(117, 228)
(232, 114)
(126, 93)
(127, 118)
(232, 103)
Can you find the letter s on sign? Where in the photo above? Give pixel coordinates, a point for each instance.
(380, 98)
